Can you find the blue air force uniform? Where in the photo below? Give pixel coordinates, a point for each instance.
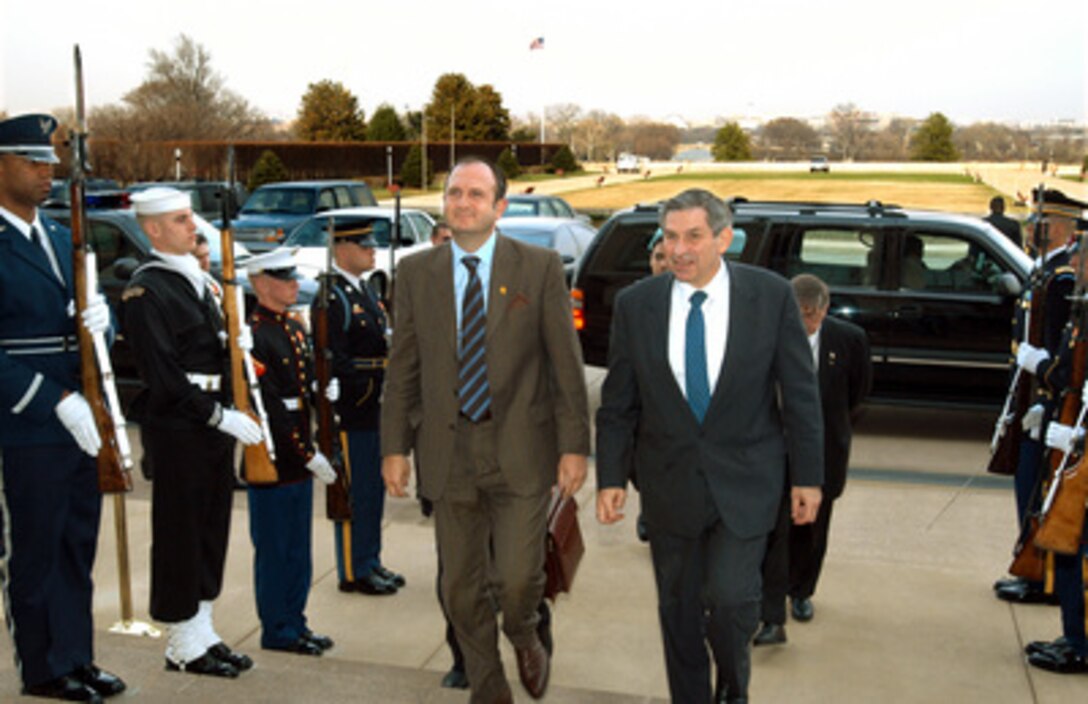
(50, 498)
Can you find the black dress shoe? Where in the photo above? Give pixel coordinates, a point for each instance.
(1024, 593)
(1008, 583)
(640, 529)
(1064, 661)
(544, 626)
(801, 609)
(374, 585)
(241, 662)
(397, 580)
(302, 646)
(323, 642)
(455, 678)
(99, 680)
(1038, 646)
(206, 664)
(770, 634)
(67, 688)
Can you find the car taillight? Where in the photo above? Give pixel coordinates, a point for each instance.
(577, 304)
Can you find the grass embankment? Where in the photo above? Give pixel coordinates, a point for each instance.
(931, 191)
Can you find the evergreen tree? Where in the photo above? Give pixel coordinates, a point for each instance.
(933, 140)
(330, 113)
(731, 144)
(385, 125)
(268, 169)
(411, 171)
(509, 164)
(563, 160)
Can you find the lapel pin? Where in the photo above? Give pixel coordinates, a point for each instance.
(502, 290)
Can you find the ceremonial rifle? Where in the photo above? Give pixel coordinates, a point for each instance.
(1005, 443)
(96, 371)
(337, 503)
(260, 465)
(1062, 521)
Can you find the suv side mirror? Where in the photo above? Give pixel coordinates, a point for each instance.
(1007, 284)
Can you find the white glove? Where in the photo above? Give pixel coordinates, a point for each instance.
(96, 316)
(1033, 419)
(332, 391)
(76, 416)
(245, 339)
(1030, 357)
(240, 426)
(1084, 394)
(320, 467)
(1061, 437)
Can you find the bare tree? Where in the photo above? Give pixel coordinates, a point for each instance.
(849, 128)
(787, 138)
(596, 136)
(561, 120)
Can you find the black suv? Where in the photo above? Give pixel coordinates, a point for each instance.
(934, 291)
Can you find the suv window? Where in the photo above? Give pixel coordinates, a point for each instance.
(362, 195)
(946, 264)
(841, 257)
(326, 200)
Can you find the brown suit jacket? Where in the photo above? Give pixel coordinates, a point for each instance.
(534, 367)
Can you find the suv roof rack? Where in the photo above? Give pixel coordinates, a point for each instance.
(872, 207)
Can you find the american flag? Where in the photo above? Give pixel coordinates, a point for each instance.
(537, 43)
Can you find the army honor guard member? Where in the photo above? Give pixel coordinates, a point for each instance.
(281, 513)
(48, 437)
(359, 352)
(180, 346)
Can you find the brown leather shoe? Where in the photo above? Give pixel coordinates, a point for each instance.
(534, 666)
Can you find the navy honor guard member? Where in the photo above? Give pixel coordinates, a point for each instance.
(180, 345)
(281, 513)
(714, 413)
(359, 355)
(48, 437)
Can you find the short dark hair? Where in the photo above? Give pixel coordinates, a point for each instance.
(201, 239)
(997, 204)
(496, 172)
(810, 290)
(719, 215)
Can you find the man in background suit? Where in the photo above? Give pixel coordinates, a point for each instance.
(486, 384)
(795, 554)
(1006, 225)
(708, 412)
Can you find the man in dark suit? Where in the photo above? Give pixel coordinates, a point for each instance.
(795, 554)
(486, 384)
(1006, 225)
(709, 413)
(49, 498)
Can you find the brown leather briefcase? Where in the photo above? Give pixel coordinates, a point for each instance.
(565, 547)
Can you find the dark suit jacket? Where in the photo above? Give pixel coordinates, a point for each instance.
(1007, 226)
(845, 377)
(739, 452)
(534, 367)
(34, 304)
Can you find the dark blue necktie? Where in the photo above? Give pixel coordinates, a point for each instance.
(473, 391)
(695, 377)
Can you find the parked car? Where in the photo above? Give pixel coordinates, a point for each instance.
(570, 237)
(627, 164)
(538, 205)
(104, 190)
(272, 211)
(311, 237)
(819, 164)
(206, 195)
(939, 328)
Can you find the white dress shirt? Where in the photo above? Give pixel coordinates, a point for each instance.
(814, 343)
(716, 320)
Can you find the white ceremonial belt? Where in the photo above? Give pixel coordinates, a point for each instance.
(292, 404)
(205, 382)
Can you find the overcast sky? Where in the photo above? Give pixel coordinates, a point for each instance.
(694, 59)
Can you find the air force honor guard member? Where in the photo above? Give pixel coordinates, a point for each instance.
(281, 514)
(179, 343)
(359, 349)
(48, 436)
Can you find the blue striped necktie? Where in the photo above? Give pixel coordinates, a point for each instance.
(696, 380)
(473, 391)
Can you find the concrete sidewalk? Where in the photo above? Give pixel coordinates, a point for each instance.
(904, 612)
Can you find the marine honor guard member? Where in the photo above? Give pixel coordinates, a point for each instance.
(357, 340)
(281, 513)
(180, 346)
(48, 438)
(1050, 239)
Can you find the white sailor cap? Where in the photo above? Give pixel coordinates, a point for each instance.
(279, 264)
(160, 199)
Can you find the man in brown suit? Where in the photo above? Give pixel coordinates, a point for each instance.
(485, 383)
